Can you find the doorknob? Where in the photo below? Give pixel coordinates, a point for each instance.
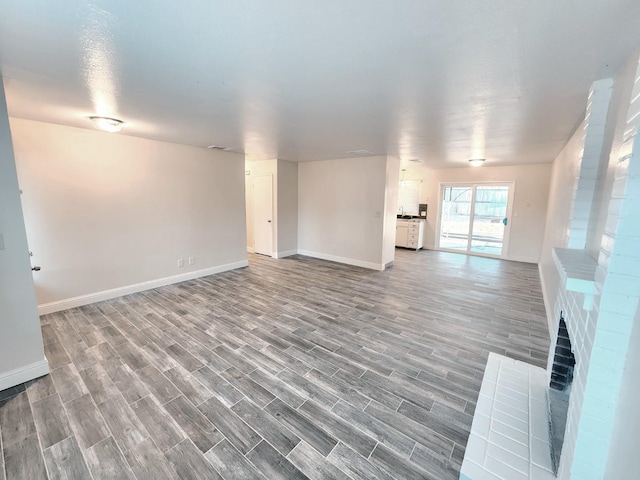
(35, 269)
(269, 221)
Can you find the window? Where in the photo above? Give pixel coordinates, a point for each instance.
(408, 197)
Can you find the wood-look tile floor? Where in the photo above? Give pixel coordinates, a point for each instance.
(291, 368)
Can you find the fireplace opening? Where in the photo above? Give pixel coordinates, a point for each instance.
(559, 391)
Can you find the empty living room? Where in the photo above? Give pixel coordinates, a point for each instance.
(319, 240)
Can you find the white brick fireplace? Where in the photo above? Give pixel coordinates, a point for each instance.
(599, 296)
(593, 281)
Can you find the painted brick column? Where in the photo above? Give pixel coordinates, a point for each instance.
(585, 185)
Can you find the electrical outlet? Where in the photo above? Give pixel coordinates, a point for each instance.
(180, 262)
(192, 260)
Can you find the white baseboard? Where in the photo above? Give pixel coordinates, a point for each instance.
(23, 374)
(286, 253)
(348, 261)
(73, 302)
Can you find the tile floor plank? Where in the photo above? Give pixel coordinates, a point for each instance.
(51, 420)
(189, 463)
(302, 426)
(188, 385)
(125, 426)
(420, 433)
(163, 429)
(24, 459)
(16, 419)
(339, 428)
(106, 461)
(40, 388)
(273, 465)
(68, 383)
(222, 390)
(232, 464)
(158, 384)
(148, 462)
(65, 460)
(376, 429)
(278, 387)
(355, 465)
(283, 439)
(251, 389)
(99, 384)
(184, 358)
(86, 421)
(197, 427)
(241, 435)
(395, 465)
(314, 465)
(441, 468)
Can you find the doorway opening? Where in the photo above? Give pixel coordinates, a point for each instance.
(474, 218)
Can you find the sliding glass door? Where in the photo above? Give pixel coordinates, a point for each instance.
(474, 218)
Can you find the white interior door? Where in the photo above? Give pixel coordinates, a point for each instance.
(263, 214)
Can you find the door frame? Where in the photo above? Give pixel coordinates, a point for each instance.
(509, 215)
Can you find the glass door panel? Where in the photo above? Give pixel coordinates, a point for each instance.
(456, 217)
(474, 218)
(489, 219)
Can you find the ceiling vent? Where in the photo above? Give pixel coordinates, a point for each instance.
(415, 160)
(360, 152)
(220, 148)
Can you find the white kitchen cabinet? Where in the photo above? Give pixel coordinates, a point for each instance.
(410, 233)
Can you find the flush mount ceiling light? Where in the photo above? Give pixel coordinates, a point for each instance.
(107, 124)
(476, 162)
(362, 153)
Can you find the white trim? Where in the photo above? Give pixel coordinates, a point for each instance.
(251, 250)
(67, 303)
(24, 374)
(286, 253)
(548, 308)
(348, 261)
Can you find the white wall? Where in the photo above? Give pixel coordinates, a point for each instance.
(529, 208)
(21, 351)
(390, 210)
(107, 214)
(563, 176)
(287, 199)
(341, 210)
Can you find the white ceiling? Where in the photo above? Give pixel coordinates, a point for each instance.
(441, 81)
